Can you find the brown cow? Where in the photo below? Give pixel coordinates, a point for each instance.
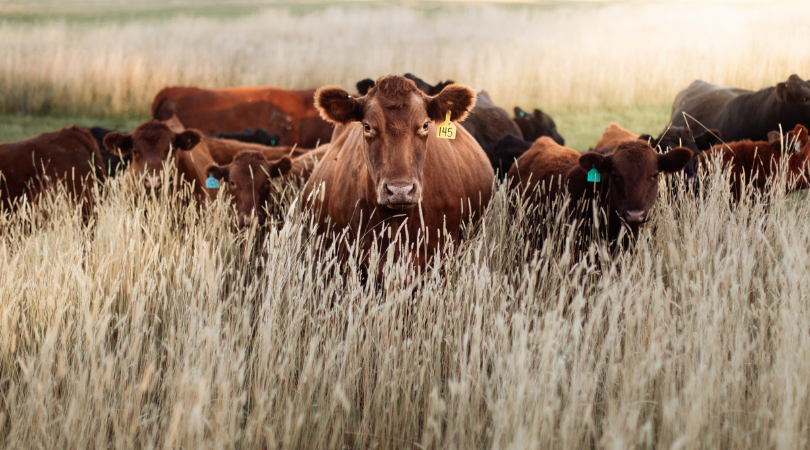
(248, 179)
(151, 145)
(150, 149)
(291, 114)
(760, 160)
(612, 137)
(386, 165)
(70, 155)
(629, 178)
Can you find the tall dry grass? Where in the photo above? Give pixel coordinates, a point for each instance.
(570, 56)
(158, 325)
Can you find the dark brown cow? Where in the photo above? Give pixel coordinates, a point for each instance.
(629, 178)
(386, 164)
(757, 162)
(291, 114)
(248, 179)
(70, 155)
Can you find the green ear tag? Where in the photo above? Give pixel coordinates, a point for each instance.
(211, 182)
(522, 114)
(594, 176)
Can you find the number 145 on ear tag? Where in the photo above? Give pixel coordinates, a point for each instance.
(446, 130)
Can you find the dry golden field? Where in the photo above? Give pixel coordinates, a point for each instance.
(158, 325)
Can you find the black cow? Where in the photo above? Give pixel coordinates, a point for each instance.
(537, 125)
(112, 162)
(257, 136)
(506, 151)
(741, 114)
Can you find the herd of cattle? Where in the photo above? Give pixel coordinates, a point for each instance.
(374, 158)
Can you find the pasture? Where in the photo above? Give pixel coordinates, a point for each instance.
(158, 324)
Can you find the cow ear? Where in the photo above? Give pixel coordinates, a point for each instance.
(782, 92)
(281, 167)
(456, 98)
(592, 160)
(674, 160)
(774, 138)
(187, 140)
(118, 143)
(220, 173)
(538, 114)
(519, 112)
(337, 106)
(364, 85)
(707, 139)
(649, 139)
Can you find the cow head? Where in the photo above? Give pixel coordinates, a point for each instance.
(536, 125)
(150, 145)
(396, 120)
(248, 178)
(797, 144)
(795, 91)
(632, 171)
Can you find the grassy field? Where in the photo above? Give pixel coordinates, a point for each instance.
(158, 324)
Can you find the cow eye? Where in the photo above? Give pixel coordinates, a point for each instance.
(654, 177)
(366, 127)
(231, 184)
(425, 126)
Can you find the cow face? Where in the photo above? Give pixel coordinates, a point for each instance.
(396, 120)
(150, 145)
(633, 170)
(248, 178)
(795, 91)
(536, 125)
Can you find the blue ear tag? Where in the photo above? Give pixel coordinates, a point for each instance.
(211, 182)
(796, 147)
(522, 114)
(272, 142)
(594, 176)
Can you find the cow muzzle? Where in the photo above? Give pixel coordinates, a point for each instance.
(635, 216)
(152, 181)
(399, 195)
(248, 220)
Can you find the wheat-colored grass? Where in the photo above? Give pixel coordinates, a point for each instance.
(158, 325)
(569, 56)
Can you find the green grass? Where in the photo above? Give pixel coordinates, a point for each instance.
(581, 129)
(14, 127)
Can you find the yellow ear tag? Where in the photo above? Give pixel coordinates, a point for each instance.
(446, 130)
